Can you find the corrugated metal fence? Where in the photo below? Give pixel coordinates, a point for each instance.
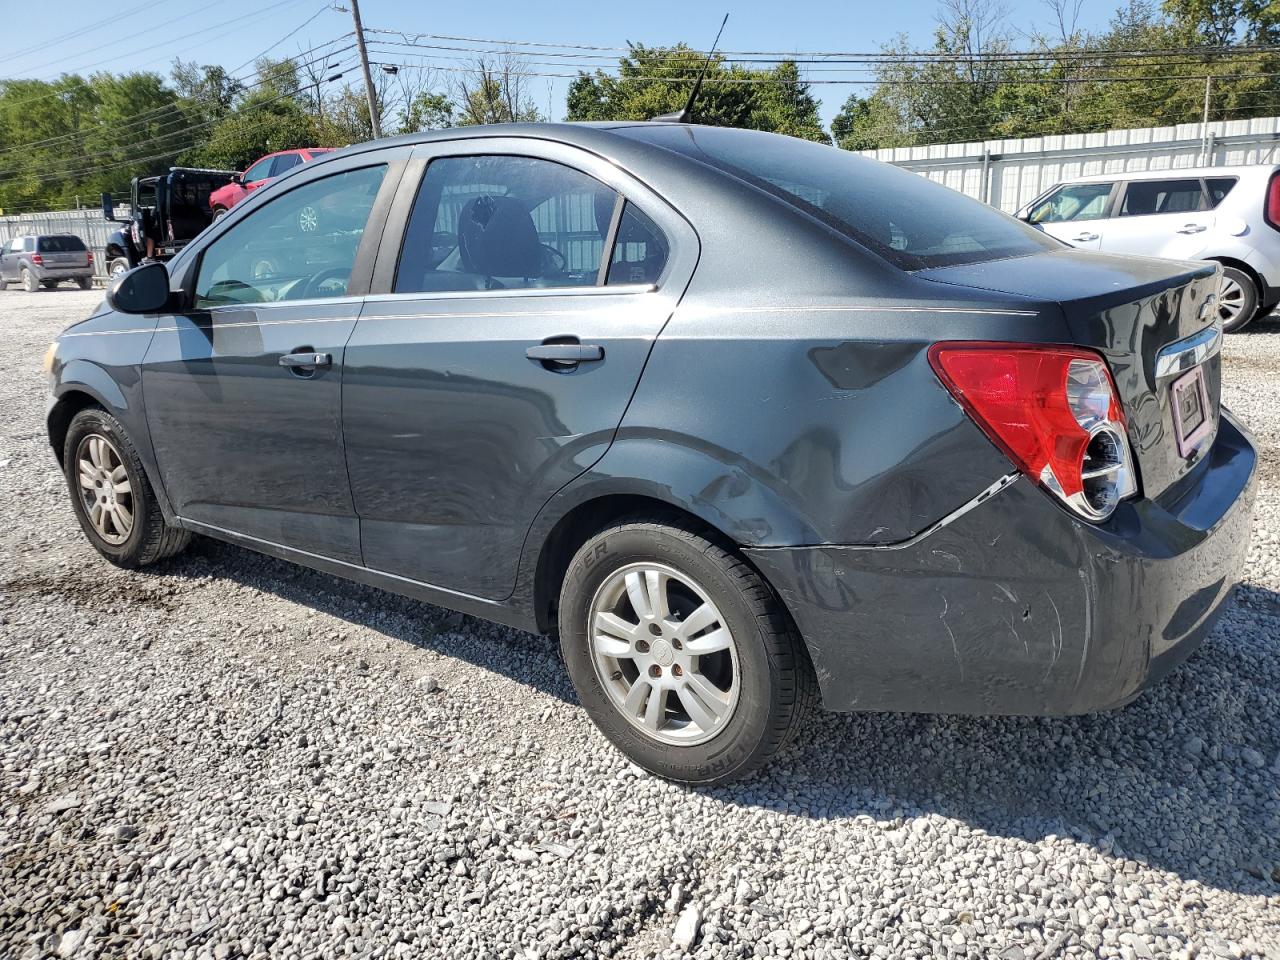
(88, 225)
(1010, 173)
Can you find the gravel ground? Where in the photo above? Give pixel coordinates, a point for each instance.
(231, 756)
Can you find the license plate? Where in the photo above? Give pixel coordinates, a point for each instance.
(1191, 422)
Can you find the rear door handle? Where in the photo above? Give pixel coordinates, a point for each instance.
(307, 358)
(1084, 238)
(1194, 228)
(566, 352)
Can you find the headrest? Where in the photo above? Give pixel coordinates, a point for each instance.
(497, 238)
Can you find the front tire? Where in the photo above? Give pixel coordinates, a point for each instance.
(680, 653)
(219, 213)
(1237, 300)
(111, 496)
(117, 267)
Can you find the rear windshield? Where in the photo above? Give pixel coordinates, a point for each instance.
(904, 218)
(59, 244)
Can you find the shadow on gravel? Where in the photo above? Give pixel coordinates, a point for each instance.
(1186, 779)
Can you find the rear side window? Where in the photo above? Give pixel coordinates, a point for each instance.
(59, 244)
(904, 218)
(1147, 197)
(1219, 187)
(29, 244)
(640, 250)
(1075, 201)
(286, 161)
(504, 222)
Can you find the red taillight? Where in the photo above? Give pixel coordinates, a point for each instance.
(1052, 410)
(37, 259)
(91, 256)
(1272, 209)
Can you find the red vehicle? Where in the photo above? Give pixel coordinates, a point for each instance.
(259, 175)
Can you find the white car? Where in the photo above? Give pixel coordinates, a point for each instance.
(1227, 214)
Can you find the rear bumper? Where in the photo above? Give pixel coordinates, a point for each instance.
(61, 273)
(1017, 607)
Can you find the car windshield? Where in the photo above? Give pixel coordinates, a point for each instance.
(59, 244)
(904, 218)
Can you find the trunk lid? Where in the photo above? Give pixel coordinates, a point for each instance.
(1129, 309)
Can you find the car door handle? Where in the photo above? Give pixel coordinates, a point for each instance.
(1194, 228)
(308, 358)
(566, 352)
(1084, 238)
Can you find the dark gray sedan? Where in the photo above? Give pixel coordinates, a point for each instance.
(745, 421)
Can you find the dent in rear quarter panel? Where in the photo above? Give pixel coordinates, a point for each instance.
(102, 357)
(826, 414)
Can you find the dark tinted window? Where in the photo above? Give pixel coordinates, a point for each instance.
(1219, 187)
(903, 217)
(59, 244)
(1075, 201)
(1145, 197)
(640, 250)
(497, 222)
(286, 161)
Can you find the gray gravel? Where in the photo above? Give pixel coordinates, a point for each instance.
(229, 756)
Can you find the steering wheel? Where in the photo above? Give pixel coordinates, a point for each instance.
(313, 286)
(559, 264)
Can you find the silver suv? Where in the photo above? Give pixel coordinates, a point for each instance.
(1227, 214)
(45, 261)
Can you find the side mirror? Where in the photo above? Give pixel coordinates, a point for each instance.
(143, 289)
(108, 207)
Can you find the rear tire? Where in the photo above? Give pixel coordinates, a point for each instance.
(1237, 300)
(84, 283)
(701, 694)
(111, 495)
(29, 281)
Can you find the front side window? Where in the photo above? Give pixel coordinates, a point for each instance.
(15, 245)
(1146, 197)
(502, 223)
(906, 219)
(300, 246)
(1075, 201)
(259, 171)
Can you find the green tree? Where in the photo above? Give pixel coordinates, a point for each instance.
(652, 81)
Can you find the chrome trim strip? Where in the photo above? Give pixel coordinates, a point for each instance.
(108, 333)
(517, 293)
(194, 524)
(952, 517)
(1189, 352)
(868, 308)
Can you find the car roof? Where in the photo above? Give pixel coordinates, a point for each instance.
(1175, 174)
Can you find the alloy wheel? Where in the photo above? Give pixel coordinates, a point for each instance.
(1230, 300)
(664, 653)
(105, 490)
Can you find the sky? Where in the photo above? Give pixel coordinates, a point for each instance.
(85, 37)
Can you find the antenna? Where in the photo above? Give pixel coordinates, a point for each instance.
(685, 115)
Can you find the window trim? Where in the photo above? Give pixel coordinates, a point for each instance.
(1204, 199)
(682, 238)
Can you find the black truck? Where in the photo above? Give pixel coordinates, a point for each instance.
(166, 212)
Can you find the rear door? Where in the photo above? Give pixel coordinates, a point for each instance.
(1074, 213)
(498, 362)
(1160, 218)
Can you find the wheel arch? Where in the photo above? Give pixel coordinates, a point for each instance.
(63, 411)
(1244, 268)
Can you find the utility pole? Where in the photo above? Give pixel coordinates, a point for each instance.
(1204, 124)
(374, 120)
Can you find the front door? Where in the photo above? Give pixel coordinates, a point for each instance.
(1075, 213)
(243, 391)
(499, 364)
(9, 259)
